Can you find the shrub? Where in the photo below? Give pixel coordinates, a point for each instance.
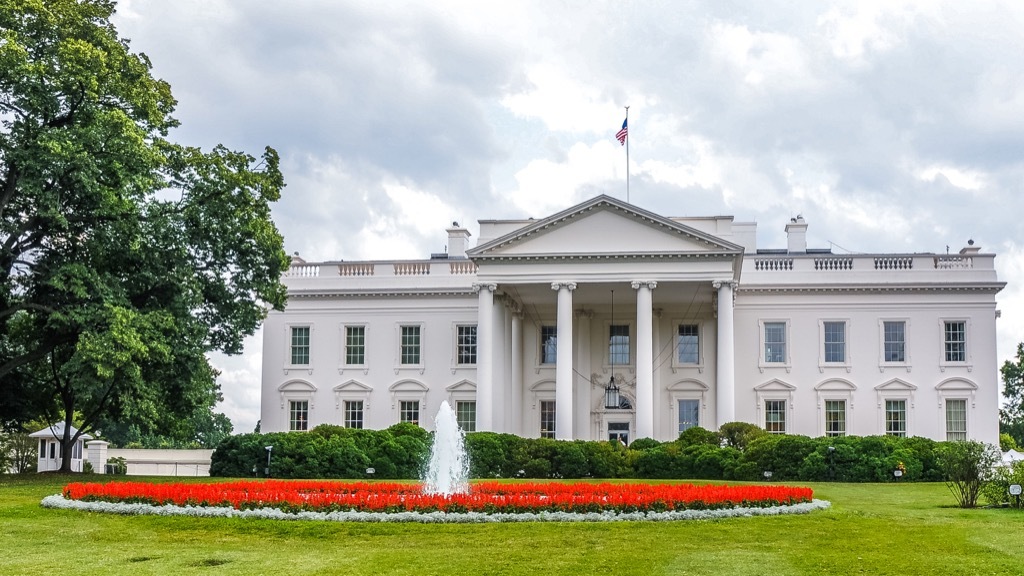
(698, 436)
(644, 444)
(1006, 442)
(739, 434)
(967, 467)
(997, 490)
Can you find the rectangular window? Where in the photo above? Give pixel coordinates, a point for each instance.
(548, 344)
(618, 345)
(775, 342)
(298, 415)
(465, 344)
(896, 417)
(300, 346)
(410, 346)
(689, 414)
(355, 345)
(956, 420)
(775, 416)
(76, 451)
(409, 411)
(688, 344)
(42, 448)
(835, 417)
(547, 418)
(895, 341)
(354, 414)
(465, 415)
(835, 341)
(955, 337)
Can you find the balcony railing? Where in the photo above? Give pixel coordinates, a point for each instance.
(404, 268)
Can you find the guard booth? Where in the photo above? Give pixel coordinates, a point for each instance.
(50, 453)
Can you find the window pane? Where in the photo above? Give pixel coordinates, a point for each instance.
(896, 417)
(465, 415)
(354, 414)
(835, 341)
(548, 344)
(409, 411)
(355, 345)
(466, 344)
(689, 414)
(410, 353)
(895, 341)
(688, 345)
(956, 341)
(775, 416)
(618, 345)
(775, 342)
(956, 419)
(298, 415)
(300, 345)
(547, 419)
(835, 418)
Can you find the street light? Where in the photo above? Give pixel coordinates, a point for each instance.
(266, 471)
(831, 463)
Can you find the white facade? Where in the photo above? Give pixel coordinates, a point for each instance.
(526, 331)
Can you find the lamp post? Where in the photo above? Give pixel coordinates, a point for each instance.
(266, 471)
(831, 463)
(768, 475)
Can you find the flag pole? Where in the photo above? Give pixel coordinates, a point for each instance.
(627, 157)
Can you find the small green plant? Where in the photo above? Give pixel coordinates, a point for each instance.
(117, 466)
(997, 491)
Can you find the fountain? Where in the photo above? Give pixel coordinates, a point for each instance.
(448, 469)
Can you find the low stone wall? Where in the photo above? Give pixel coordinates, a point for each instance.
(151, 462)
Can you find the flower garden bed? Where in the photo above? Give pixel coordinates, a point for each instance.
(486, 502)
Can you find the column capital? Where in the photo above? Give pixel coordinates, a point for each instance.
(514, 307)
(559, 285)
(636, 284)
(478, 286)
(717, 284)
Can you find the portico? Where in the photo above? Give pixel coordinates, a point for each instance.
(602, 285)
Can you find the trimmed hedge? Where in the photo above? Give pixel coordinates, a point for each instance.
(738, 453)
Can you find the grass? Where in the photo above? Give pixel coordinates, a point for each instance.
(894, 529)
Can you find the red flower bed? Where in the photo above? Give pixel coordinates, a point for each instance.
(487, 497)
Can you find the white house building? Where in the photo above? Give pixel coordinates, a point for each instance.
(609, 321)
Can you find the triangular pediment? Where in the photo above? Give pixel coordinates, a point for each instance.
(462, 386)
(353, 386)
(775, 385)
(896, 384)
(604, 226)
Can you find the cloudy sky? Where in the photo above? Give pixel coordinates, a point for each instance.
(890, 126)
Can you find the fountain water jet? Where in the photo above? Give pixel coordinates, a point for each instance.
(448, 469)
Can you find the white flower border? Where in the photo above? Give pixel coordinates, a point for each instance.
(58, 501)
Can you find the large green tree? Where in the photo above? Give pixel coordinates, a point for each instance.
(1011, 416)
(124, 257)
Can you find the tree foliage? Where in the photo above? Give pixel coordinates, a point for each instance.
(124, 257)
(1011, 416)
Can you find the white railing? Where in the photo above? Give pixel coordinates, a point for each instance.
(952, 262)
(773, 264)
(303, 271)
(462, 267)
(412, 268)
(894, 262)
(834, 263)
(356, 269)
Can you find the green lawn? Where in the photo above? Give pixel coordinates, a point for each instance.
(870, 529)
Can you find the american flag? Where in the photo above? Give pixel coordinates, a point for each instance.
(621, 135)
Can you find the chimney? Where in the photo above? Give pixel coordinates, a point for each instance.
(458, 241)
(796, 233)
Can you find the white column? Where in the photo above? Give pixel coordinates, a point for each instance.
(515, 385)
(585, 393)
(499, 380)
(725, 397)
(485, 357)
(563, 361)
(644, 359)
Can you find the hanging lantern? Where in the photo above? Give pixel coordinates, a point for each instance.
(611, 395)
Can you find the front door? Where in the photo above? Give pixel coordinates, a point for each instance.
(619, 431)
